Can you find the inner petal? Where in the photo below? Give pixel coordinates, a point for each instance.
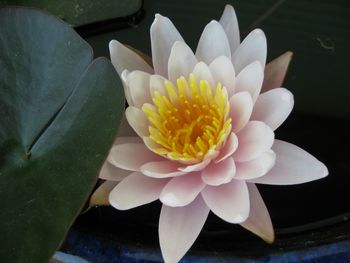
(188, 120)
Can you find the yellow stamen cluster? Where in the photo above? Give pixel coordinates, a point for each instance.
(188, 120)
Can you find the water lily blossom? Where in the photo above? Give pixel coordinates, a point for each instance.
(203, 132)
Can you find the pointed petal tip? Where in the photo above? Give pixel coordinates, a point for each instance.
(158, 18)
(258, 31)
(229, 7)
(113, 43)
(269, 239)
(323, 170)
(276, 71)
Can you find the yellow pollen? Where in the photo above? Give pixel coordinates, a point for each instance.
(189, 119)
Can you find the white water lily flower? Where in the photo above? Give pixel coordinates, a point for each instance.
(204, 133)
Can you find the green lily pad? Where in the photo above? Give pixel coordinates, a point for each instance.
(81, 12)
(59, 113)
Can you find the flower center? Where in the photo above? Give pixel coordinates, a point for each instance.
(189, 121)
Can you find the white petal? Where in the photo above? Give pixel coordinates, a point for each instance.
(123, 58)
(136, 190)
(229, 22)
(163, 36)
(131, 156)
(161, 169)
(157, 84)
(137, 120)
(111, 173)
(276, 71)
(182, 190)
(138, 85)
(213, 43)
(293, 166)
(257, 167)
(222, 70)
(259, 221)
(229, 201)
(181, 61)
(254, 139)
(179, 227)
(229, 148)
(219, 173)
(273, 107)
(250, 79)
(241, 107)
(202, 72)
(253, 48)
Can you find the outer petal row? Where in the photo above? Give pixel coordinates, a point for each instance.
(293, 166)
(179, 227)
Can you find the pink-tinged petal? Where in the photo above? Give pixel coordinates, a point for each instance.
(229, 201)
(137, 120)
(253, 48)
(136, 190)
(222, 70)
(254, 139)
(257, 167)
(125, 129)
(123, 78)
(163, 36)
(195, 167)
(241, 107)
(101, 195)
(250, 79)
(111, 173)
(202, 72)
(213, 43)
(229, 148)
(273, 107)
(179, 227)
(131, 156)
(229, 22)
(293, 166)
(182, 190)
(259, 221)
(181, 61)
(219, 173)
(124, 58)
(138, 85)
(157, 84)
(276, 71)
(161, 169)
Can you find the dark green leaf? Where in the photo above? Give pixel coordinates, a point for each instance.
(81, 12)
(59, 114)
